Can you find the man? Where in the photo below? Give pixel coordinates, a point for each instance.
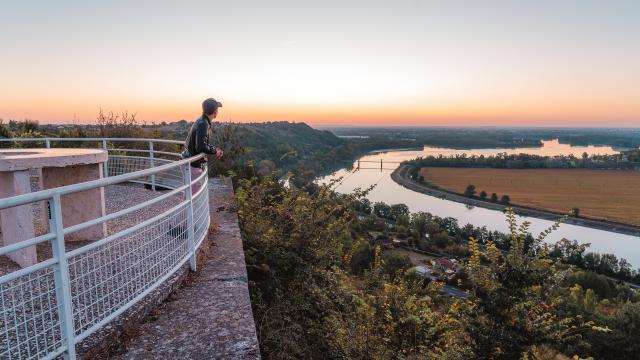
(197, 141)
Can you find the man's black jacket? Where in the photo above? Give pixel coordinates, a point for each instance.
(197, 141)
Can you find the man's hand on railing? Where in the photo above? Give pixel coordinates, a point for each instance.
(215, 151)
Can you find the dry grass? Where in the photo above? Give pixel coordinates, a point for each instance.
(599, 194)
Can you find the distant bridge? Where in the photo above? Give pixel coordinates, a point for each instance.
(369, 165)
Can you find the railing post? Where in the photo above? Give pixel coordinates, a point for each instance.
(61, 278)
(105, 167)
(190, 233)
(47, 143)
(153, 176)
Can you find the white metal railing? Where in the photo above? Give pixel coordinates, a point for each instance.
(46, 309)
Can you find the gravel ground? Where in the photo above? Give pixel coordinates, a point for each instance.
(101, 279)
(117, 197)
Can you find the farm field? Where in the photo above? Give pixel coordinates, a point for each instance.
(599, 194)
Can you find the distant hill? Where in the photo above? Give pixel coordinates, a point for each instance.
(285, 142)
(283, 146)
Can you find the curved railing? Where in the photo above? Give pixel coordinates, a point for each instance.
(47, 308)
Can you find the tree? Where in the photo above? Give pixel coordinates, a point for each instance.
(382, 210)
(590, 301)
(569, 251)
(419, 224)
(120, 125)
(622, 342)
(470, 190)
(576, 294)
(591, 261)
(494, 197)
(362, 259)
(394, 262)
(4, 131)
(608, 264)
(625, 271)
(265, 167)
(483, 195)
(363, 205)
(403, 221)
(516, 298)
(291, 264)
(397, 210)
(30, 126)
(505, 199)
(441, 239)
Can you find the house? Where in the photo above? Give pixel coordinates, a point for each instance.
(427, 273)
(448, 267)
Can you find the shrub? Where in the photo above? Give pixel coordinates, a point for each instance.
(470, 190)
(362, 259)
(394, 262)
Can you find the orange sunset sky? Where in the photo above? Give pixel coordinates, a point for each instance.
(542, 63)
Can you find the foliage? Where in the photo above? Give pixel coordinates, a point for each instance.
(470, 191)
(20, 129)
(294, 246)
(233, 163)
(4, 130)
(395, 263)
(297, 247)
(382, 210)
(517, 299)
(320, 290)
(362, 258)
(479, 138)
(123, 125)
(570, 252)
(624, 160)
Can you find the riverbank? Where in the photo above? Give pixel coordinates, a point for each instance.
(400, 177)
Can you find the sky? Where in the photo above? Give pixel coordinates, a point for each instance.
(515, 63)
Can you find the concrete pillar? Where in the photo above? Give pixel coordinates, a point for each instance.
(17, 222)
(81, 206)
(44, 206)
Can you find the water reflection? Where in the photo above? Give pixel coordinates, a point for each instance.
(387, 190)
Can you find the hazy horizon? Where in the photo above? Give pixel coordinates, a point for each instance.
(322, 126)
(361, 63)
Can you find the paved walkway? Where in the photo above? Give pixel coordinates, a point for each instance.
(210, 317)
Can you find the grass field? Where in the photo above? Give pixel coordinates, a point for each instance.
(599, 194)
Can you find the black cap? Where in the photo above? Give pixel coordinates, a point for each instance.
(210, 105)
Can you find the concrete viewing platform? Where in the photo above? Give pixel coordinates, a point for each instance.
(171, 311)
(210, 316)
(56, 168)
(24, 159)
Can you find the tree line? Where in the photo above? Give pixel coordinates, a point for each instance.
(416, 226)
(626, 160)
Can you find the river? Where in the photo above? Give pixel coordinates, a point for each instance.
(386, 190)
